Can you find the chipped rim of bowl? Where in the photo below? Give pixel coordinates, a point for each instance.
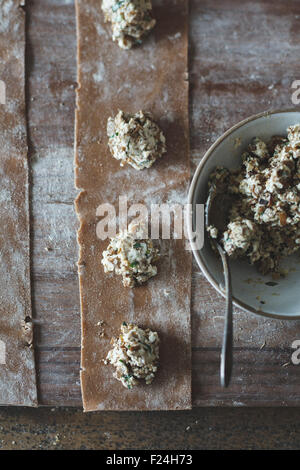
(191, 195)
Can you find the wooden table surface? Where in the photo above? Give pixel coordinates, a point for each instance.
(243, 60)
(201, 428)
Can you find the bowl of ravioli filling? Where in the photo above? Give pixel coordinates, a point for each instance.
(257, 162)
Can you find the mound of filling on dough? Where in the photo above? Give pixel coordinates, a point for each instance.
(130, 20)
(131, 255)
(264, 220)
(135, 139)
(135, 355)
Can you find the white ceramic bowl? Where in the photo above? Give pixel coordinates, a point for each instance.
(250, 289)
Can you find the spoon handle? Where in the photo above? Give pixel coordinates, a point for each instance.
(226, 353)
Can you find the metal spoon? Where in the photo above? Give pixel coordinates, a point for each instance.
(216, 213)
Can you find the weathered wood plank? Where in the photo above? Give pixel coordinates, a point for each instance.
(243, 59)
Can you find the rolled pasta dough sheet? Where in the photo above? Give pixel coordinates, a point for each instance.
(152, 77)
(17, 366)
